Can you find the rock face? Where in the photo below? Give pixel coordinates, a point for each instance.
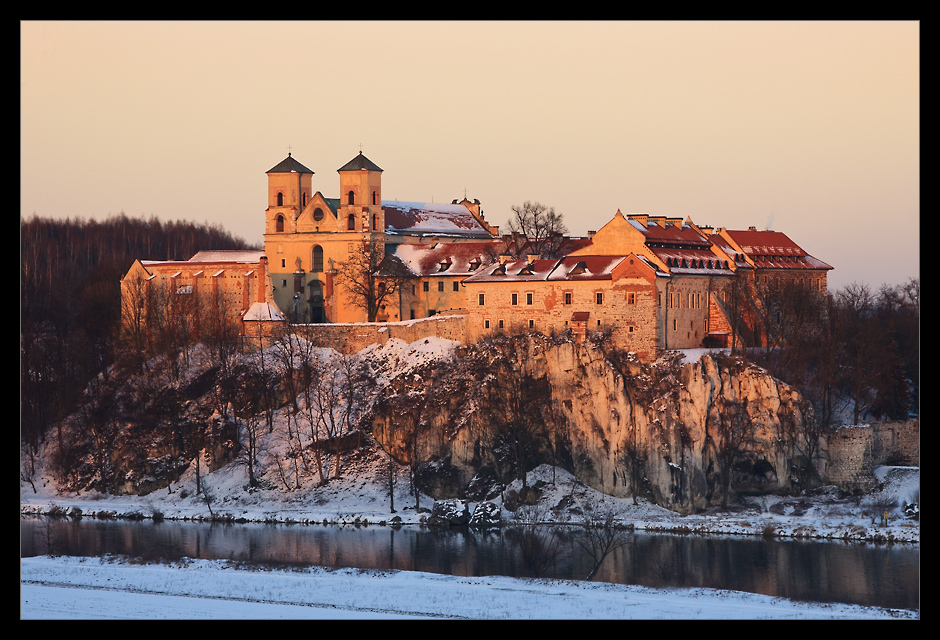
(685, 436)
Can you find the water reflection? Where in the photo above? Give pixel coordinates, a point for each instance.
(886, 575)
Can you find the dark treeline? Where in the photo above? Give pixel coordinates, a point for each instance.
(862, 362)
(70, 272)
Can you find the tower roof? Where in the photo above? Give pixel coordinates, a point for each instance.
(358, 163)
(289, 165)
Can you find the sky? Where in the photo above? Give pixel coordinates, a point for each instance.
(809, 128)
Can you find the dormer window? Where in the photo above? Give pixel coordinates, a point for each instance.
(474, 265)
(579, 268)
(500, 270)
(526, 270)
(444, 266)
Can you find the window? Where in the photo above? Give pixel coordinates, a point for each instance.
(283, 263)
(351, 222)
(531, 324)
(318, 214)
(426, 286)
(317, 258)
(440, 286)
(599, 297)
(500, 324)
(486, 324)
(630, 328)
(631, 298)
(515, 299)
(280, 199)
(480, 299)
(567, 297)
(351, 197)
(528, 298)
(375, 198)
(279, 225)
(375, 222)
(303, 199)
(456, 286)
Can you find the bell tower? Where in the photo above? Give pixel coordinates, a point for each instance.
(289, 190)
(360, 192)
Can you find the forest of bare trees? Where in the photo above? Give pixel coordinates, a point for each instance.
(70, 302)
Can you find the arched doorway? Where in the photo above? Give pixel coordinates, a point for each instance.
(317, 309)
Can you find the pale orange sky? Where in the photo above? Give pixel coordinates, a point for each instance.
(809, 128)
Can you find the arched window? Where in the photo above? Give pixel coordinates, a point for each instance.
(317, 258)
(303, 199)
(279, 225)
(375, 222)
(351, 222)
(351, 197)
(280, 199)
(375, 198)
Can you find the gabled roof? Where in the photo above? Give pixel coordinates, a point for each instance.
(423, 218)
(263, 312)
(360, 163)
(288, 165)
(773, 250)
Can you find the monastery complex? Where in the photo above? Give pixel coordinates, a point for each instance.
(653, 283)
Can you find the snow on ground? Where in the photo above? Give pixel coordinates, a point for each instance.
(97, 588)
(215, 590)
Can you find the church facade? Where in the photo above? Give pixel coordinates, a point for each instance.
(309, 236)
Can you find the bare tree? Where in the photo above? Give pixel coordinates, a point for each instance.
(519, 408)
(372, 277)
(601, 536)
(733, 437)
(540, 225)
(331, 403)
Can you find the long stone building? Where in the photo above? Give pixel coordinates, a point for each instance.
(653, 283)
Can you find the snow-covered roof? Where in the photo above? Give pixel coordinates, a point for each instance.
(263, 311)
(448, 258)
(243, 256)
(431, 218)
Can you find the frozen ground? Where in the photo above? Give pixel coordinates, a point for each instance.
(93, 588)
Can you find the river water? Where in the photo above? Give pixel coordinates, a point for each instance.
(857, 573)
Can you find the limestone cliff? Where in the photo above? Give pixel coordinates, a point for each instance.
(685, 436)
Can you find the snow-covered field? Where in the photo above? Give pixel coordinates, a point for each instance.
(93, 588)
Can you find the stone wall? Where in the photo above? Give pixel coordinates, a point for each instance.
(353, 337)
(855, 450)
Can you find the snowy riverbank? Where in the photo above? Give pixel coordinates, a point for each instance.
(94, 588)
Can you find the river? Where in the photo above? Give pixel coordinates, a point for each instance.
(857, 573)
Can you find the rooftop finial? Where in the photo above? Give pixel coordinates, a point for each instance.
(288, 151)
